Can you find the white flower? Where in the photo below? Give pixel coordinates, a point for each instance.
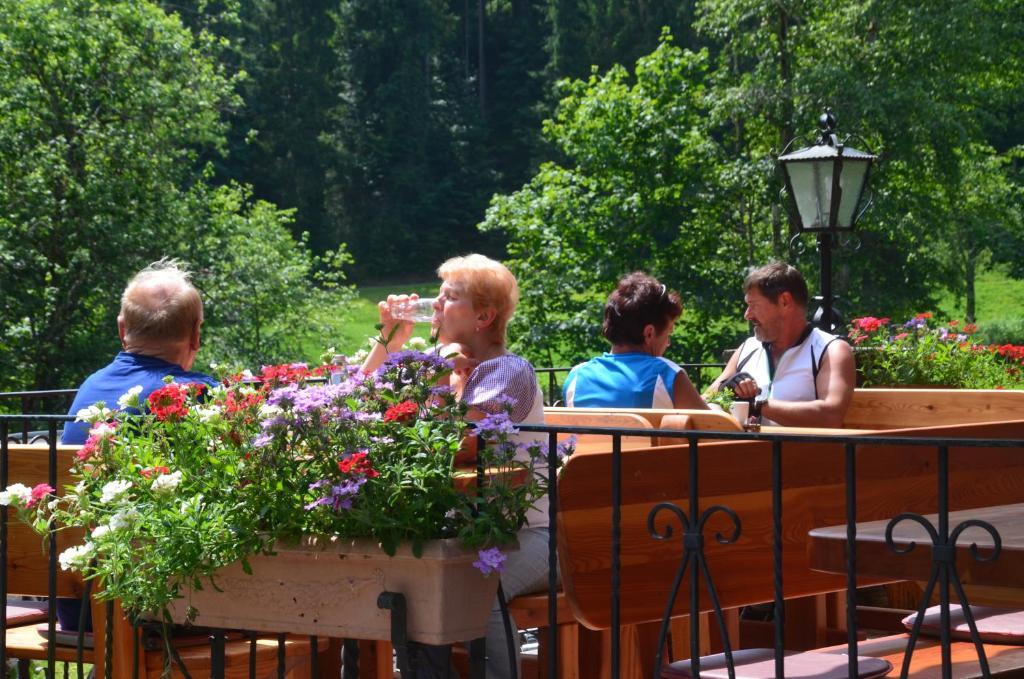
(75, 558)
(103, 430)
(358, 357)
(247, 374)
(100, 531)
(130, 399)
(268, 411)
(417, 343)
(98, 412)
(17, 494)
(53, 504)
(166, 483)
(113, 490)
(122, 519)
(208, 414)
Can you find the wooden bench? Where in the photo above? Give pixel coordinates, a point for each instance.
(898, 408)
(870, 409)
(1004, 660)
(737, 474)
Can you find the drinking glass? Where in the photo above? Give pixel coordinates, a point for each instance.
(415, 310)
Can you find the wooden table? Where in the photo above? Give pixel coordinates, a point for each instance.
(826, 549)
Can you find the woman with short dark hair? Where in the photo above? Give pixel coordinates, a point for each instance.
(638, 320)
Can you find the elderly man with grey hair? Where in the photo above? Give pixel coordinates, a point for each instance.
(161, 315)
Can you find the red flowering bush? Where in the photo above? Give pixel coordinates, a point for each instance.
(922, 352)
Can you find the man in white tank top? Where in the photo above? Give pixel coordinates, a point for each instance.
(799, 376)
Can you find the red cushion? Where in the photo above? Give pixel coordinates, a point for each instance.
(759, 663)
(25, 612)
(995, 625)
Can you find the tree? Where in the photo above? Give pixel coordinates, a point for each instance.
(640, 189)
(106, 111)
(104, 107)
(405, 179)
(267, 298)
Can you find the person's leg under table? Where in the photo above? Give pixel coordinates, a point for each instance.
(525, 572)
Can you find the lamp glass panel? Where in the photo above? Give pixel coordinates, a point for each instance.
(812, 190)
(852, 183)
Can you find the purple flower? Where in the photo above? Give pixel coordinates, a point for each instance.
(283, 397)
(262, 440)
(566, 447)
(916, 323)
(340, 496)
(312, 398)
(495, 424)
(490, 561)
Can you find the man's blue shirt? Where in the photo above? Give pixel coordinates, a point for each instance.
(111, 382)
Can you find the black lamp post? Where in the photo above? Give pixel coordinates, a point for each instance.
(826, 183)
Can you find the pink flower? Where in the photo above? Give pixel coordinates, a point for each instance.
(38, 493)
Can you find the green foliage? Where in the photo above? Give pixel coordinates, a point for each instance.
(1010, 331)
(639, 190)
(106, 112)
(263, 290)
(103, 108)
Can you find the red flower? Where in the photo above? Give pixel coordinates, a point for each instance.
(148, 472)
(902, 335)
(926, 315)
(236, 402)
(970, 329)
(869, 323)
(954, 323)
(286, 373)
(401, 412)
(168, 402)
(358, 463)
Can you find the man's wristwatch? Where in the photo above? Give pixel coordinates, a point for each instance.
(758, 407)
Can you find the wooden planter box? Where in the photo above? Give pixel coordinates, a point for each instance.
(331, 589)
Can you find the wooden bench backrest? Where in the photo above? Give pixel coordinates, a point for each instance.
(585, 417)
(898, 408)
(705, 420)
(737, 474)
(27, 558)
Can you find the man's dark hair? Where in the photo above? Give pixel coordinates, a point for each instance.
(638, 301)
(773, 279)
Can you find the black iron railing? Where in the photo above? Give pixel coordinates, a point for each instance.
(692, 520)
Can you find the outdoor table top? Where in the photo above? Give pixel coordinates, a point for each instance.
(826, 548)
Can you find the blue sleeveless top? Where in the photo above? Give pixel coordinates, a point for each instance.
(631, 380)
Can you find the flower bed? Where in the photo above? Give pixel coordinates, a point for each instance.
(201, 479)
(924, 352)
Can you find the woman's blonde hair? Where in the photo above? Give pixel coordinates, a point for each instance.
(488, 283)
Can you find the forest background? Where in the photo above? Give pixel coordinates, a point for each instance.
(288, 150)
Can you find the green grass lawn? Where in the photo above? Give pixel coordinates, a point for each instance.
(363, 316)
(999, 299)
